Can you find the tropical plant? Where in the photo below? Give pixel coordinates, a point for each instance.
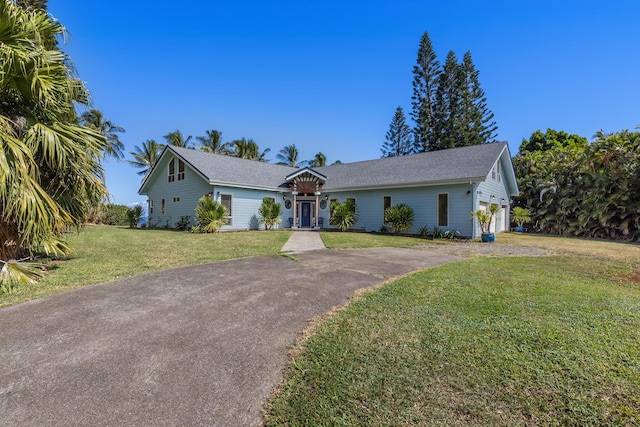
(212, 143)
(399, 217)
(583, 189)
(50, 170)
(288, 156)
(270, 212)
(485, 217)
(145, 158)
(520, 215)
(112, 214)
(318, 161)
(209, 215)
(248, 149)
(176, 139)
(133, 216)
(93, 119)
(343, 215)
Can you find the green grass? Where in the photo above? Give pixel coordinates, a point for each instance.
(487, 341)
(104, 253)
(339, 240)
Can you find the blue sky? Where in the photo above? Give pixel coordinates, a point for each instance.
(328, 75)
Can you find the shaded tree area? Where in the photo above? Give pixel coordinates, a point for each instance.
(578, 189)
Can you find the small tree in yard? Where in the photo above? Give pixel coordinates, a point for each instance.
(399, 217)
(343, 215)
(209, 215)
(270, 213)
(133, 216)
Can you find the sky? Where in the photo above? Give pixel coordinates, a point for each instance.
(328, 75)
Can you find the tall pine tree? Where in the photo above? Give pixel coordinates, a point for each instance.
(477, 126)
(425, 76)
(398, 138)
(448, 104)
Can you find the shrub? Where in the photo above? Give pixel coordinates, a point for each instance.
(343, 215)
(270, 213)
(133, 216)
(399, 217)
(183, 222)
(209, 215)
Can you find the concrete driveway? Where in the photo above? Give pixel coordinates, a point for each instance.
(202, 345)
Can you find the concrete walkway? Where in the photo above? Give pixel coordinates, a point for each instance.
(194, 346)
(302, 241)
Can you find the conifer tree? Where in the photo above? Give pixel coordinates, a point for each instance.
(425, 76)
(398, 137)
(477, 126)
(447, 123)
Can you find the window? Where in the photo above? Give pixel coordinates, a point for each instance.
(495, 172)
(225, 200)
(353, 203)
(150, 207)
(172, 170)
(443, 210)
(386, 203)
(162, 205)
(176, 199)
(180, 170)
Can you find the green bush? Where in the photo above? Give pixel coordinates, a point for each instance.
(133, 216)
(270, 213)
(209, 215)
(399, 217)
(343, 215)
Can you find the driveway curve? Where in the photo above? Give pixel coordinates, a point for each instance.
(201, 345)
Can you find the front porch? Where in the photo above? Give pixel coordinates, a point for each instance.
(306, 199)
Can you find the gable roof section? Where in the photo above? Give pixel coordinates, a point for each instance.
(219, 169)
(303, 170)
(456, 165)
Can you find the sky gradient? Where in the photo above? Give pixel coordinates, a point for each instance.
(327, 76)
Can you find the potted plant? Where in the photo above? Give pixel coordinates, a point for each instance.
(485, 217)
(520, 216)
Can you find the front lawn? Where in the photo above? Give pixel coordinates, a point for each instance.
(104, 253)
(340, 240)
(488, 341)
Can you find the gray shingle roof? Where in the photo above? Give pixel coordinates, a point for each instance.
(453, 165)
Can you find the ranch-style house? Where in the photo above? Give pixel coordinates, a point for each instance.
(443, 188)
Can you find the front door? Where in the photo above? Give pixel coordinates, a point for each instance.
(305, 214)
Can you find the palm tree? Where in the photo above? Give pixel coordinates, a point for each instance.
(248, 149)
(176, 139)
(94, 119)
(288, 156)
(212, 143)
(318, 161)
(145, 158)
(50, 166)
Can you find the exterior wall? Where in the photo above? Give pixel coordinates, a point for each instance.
(423, 201)
(244, 207)
(189, 191)
(244, 202)
(492, 191)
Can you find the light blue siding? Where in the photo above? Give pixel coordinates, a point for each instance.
(244, 206)
(245, 202)
(189, 190)
(423, 201)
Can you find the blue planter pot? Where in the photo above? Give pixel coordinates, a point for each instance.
(488, 238)
(520, 229)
